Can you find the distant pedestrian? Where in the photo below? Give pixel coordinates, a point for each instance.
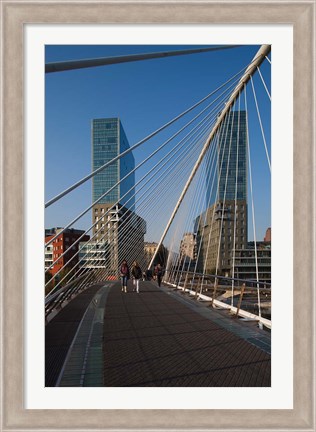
(124, 273)
(137, 275)
(158, 273)
(149, 274)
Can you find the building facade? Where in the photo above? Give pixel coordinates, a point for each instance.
(267, 237)
(63, 242)
(188, 246)
(231, 161)
(108, 141)
(250, 262)
(218, 230)
(113, 214)
(161, 256)
(224, 225)
(93, 255)
(149, 250)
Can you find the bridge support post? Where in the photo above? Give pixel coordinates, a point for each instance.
(185, 282)
(240, 298)
(214, 291)
(197, 287)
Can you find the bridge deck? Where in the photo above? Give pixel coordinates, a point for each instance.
(157, 338)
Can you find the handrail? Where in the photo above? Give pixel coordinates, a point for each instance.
(252, 281)
(51, 297)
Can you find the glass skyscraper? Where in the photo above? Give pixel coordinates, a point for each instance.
(223, 227)
(231, 160)
(109, 140)
(117, 230)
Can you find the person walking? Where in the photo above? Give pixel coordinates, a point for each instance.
(124, 272)
(158, 273)
(137, 275)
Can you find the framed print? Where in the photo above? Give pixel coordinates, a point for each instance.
(19, 19)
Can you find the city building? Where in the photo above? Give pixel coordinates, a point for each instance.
(267, 237)
(149, 249)
(224, 225)
(231, 161)
(63, 242)
(123, 239)
(108, 141)
(188, 247)
(113, 214)
(249, 261)
(93, 255)
(218, 229)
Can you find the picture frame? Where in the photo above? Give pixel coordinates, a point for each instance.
(15, 15)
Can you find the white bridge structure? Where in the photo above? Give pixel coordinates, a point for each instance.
(195, 184)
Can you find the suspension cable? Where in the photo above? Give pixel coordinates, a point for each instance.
(138, 166)
(133, 188)
(87, 177)
(263, 82)
(252, 208)
(235, 211)
(125, 194)
(261, 127)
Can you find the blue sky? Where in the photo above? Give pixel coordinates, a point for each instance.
(144, 95)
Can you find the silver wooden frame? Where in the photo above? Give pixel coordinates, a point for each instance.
(14, 14)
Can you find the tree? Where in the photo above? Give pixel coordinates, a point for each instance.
(50, 285)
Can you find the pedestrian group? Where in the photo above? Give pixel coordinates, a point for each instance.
(137, 275)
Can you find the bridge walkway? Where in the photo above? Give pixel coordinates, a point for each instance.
(160, 338)
(157, 338)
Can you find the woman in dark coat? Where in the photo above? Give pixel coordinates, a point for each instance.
(137, 275)
(124, 273)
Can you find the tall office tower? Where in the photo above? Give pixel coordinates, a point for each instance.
(109, 140)
(231, 161)
(223, 227)
(115, 221)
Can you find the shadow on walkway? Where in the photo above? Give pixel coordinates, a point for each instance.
(154, 339)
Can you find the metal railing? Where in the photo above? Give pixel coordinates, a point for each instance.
(246, 298)
(56, 300)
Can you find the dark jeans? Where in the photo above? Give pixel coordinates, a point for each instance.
(124, 280)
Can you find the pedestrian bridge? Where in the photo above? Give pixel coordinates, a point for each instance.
(198, 182)
(160, 337)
